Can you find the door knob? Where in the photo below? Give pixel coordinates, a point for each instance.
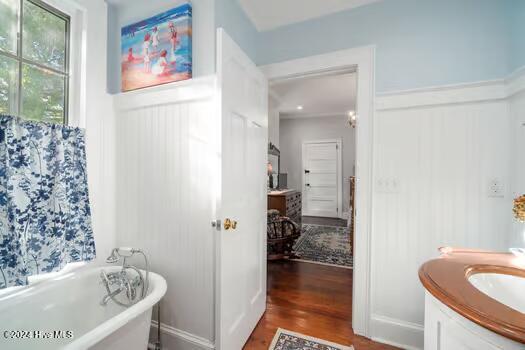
(228, 223)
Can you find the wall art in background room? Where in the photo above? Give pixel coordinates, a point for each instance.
(157, 50)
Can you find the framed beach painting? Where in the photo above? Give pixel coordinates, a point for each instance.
(157, 50)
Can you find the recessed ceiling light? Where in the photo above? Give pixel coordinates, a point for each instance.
(300, 108)
(351, 113)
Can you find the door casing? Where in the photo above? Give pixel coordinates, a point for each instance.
(362, 61)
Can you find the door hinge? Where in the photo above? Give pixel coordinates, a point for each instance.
(216, 224)
(336, 146)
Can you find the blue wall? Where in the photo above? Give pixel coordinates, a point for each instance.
(517, 12)
(420, 43)
(230, 16)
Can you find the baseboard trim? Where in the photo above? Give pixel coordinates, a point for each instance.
(388, 330)
(397, 345)
(193, 341)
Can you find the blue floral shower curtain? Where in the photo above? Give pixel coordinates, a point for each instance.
(45, 219)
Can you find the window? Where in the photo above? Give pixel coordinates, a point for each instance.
(34, 61)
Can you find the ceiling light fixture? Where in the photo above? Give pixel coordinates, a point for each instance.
(299, 108)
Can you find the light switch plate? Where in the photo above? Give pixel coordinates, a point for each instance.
(387, 185)
(496, 188)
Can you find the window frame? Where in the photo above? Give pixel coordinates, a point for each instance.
(21, 60)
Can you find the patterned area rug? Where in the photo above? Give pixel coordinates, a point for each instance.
(287, 340)
(325, 245)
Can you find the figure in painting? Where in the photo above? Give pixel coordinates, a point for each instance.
(147, 62)
(174, 42)
(155, 39)
(160, 67)
(130, 55)
(145, 52)
(145, 44)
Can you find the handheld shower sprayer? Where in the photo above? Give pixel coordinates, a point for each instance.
(124, 252)
(114, 257)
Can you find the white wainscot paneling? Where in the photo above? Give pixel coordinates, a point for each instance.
(167, 151)
(433, 165)
(517, 108)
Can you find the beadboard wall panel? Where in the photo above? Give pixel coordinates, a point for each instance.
(101, 169)
(433, 166)
(167, 153)
(517, 108)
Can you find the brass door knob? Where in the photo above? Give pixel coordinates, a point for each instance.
(228, 223)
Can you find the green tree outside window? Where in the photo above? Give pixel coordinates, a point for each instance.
(34, 69)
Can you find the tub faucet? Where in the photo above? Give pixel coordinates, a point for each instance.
(129, 280)
(108, 297)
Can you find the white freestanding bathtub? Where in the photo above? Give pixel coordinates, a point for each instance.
(64, 312)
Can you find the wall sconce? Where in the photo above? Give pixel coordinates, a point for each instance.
(519, 208)
(352, 119)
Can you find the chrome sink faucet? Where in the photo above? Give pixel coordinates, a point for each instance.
(129, 281)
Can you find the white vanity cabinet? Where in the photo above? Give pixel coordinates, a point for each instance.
(447, 330)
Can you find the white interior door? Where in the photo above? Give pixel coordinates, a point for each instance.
(322, 181)
(241, 251)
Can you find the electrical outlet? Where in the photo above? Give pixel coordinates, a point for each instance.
(496, 188)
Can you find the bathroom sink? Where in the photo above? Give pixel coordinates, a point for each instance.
(506, 289)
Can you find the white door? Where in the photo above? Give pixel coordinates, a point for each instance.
(241, 251)
(322, 181)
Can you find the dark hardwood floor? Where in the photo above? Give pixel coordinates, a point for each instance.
(311, 299)
(315, 220)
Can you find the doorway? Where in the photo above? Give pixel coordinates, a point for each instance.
(317, 145)
(315, 151)
(360, 61)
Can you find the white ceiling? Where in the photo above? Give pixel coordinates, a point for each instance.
(320, 96)
(270, 14)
